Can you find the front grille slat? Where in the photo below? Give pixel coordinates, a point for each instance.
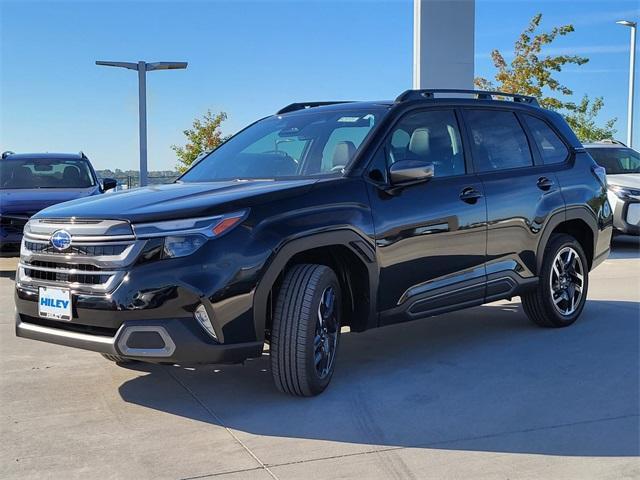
(86, 250)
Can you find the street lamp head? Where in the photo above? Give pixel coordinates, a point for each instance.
(129, 65)
(166, 66)
(627, 23)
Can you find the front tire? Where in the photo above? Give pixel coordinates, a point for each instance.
(306, 330)
(560, 296)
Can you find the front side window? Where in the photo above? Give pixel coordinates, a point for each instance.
(428, 136)
(549, 144)
(616, 160)
(498, 141)
(301, 144)
(45, 173)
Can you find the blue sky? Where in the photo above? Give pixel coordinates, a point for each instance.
(248, 59)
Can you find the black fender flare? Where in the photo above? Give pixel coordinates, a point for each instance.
(355, 242)
(572, 213)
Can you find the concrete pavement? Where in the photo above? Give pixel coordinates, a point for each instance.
(480, 393)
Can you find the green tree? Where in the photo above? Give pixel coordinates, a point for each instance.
(203, 136)
(581, 117)
(530, 72)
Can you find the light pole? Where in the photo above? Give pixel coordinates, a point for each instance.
(143, 68)
(632, 67)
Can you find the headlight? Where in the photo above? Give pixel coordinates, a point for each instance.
(625, 193)
(181, 246)
(184, 236)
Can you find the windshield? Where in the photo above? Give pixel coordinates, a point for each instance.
(45, 173)
(616, 160)
(301, 144)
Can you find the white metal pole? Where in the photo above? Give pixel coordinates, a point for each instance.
(417, 41)
(632, 70)
(142, 112)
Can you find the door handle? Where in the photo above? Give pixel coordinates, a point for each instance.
(470, 195)
(544, 183)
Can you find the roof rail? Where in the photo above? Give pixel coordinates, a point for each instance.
(611, 141)
(7, 153)
(479, 94)
(302, 105)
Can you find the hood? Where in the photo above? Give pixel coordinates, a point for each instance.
(27, 202)
(178, 200)
(631, 180)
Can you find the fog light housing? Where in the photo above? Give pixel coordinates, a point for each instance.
(202, 317)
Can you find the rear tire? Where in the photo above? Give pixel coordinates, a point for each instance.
(306, 330)
(117, 359)
(561, 293)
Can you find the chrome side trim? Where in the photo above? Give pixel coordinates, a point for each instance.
(95, 343)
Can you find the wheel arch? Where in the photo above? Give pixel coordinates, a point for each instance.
(346, 252)
(580, 223)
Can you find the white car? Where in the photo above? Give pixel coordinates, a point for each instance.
(623, 178)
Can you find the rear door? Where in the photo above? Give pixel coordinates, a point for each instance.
(522, 192)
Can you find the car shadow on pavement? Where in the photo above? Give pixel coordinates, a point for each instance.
(483, 379)
(625, 246)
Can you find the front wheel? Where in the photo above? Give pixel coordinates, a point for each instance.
(561, 294)
(306, 330)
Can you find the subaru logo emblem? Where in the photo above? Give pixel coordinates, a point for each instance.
(61, 239)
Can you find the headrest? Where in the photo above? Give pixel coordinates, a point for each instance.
(343, 153)
(71, 173)
(22, 173)
(420, 142)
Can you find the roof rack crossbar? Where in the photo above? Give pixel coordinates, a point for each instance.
(302, 105)
(479, 94)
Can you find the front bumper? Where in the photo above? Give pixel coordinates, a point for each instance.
(626, 214)
(160, 341)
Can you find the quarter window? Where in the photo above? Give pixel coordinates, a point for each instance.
(549, 144)
(498, 141)
(429, 136)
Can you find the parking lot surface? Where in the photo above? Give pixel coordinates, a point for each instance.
(480, 393)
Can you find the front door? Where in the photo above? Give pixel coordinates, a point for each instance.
(430, 237)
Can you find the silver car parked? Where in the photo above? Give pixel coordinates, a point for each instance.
(623, 178)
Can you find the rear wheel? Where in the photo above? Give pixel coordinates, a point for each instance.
(306, 330)
(564, 279)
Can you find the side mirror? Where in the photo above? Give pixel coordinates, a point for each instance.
(109, 183)
(408, 172)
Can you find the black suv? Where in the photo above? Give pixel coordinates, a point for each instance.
(325, 215)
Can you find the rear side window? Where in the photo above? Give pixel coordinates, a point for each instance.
(549, 144)
(498, 141)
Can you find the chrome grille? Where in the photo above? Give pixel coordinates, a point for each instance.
(86, 250)
(97, 260)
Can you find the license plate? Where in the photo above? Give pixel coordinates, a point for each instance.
(54, 303)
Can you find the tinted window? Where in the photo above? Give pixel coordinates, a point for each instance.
(430, 136)
(45, 173)
(616, 160)
(551, 147)
(498, 140)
